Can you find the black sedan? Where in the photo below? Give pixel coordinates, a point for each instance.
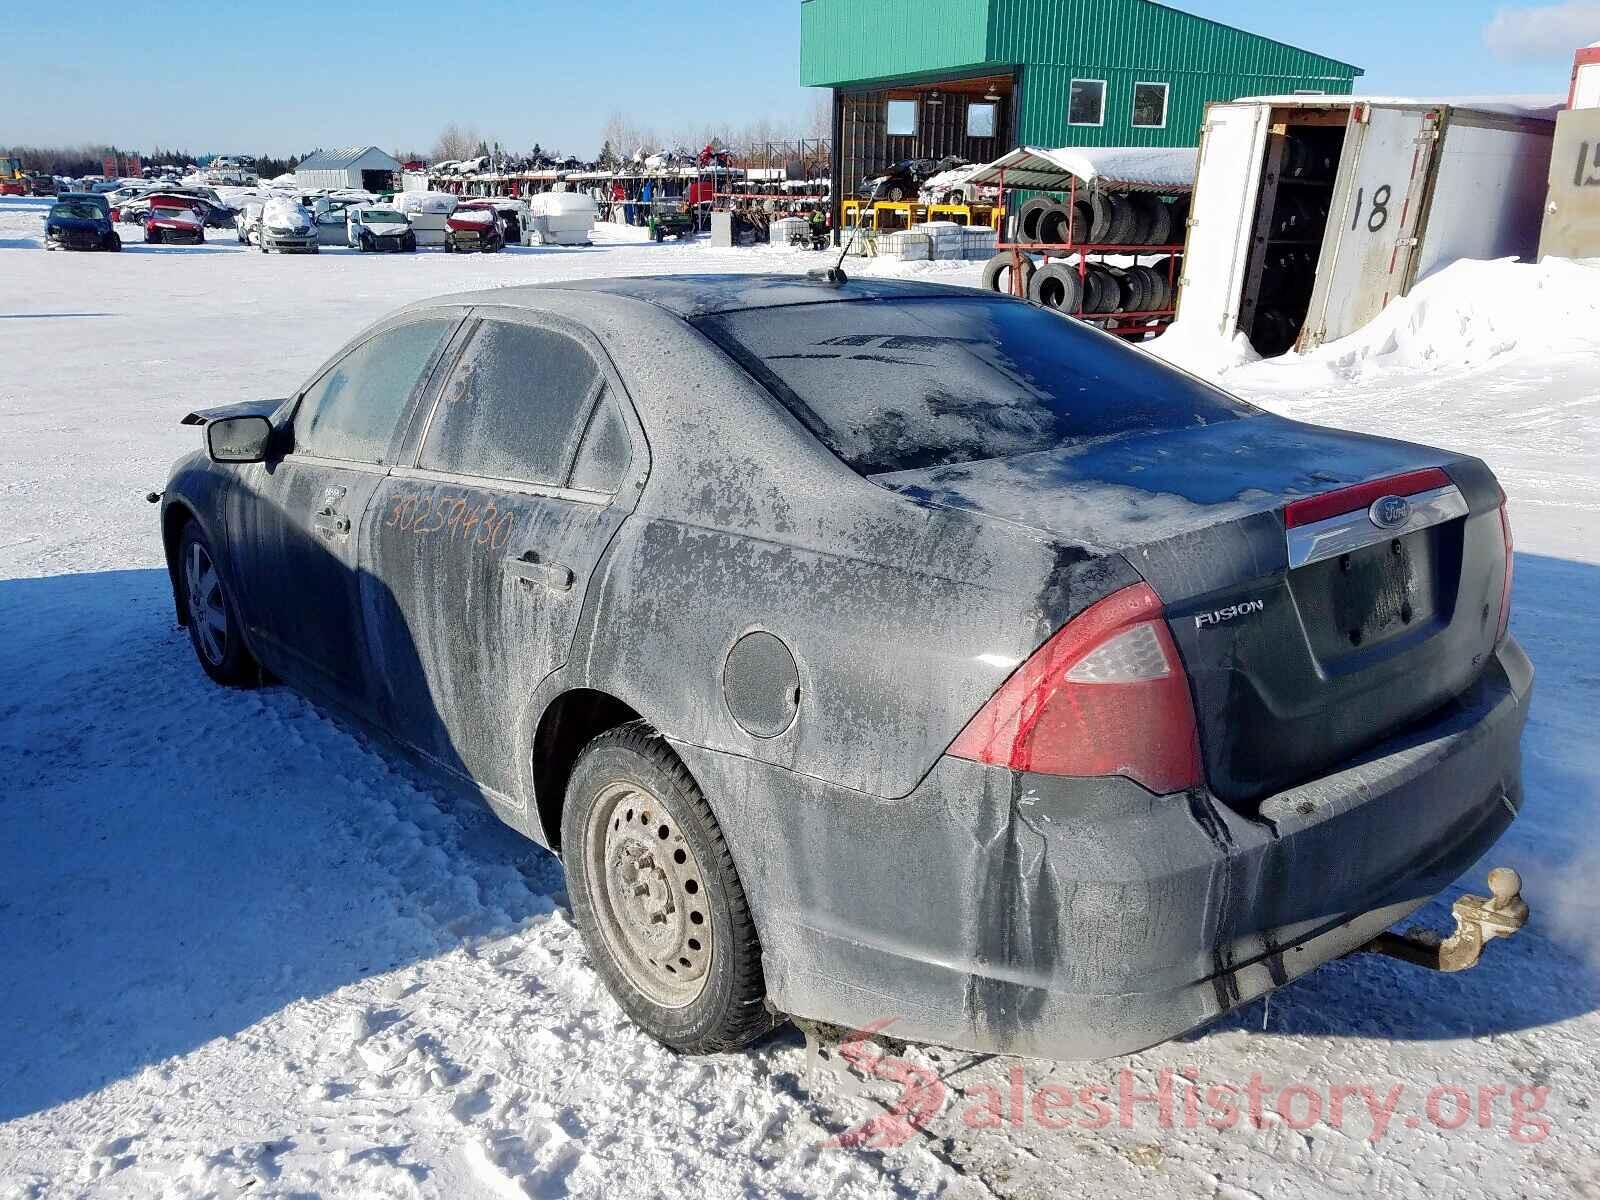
(879, 650)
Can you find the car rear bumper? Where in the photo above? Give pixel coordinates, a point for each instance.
(1000, 911)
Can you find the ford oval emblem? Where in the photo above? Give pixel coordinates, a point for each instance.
(1390, 512)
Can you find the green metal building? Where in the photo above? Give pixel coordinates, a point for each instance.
(928, 78)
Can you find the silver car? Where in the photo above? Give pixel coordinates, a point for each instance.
(288, 227)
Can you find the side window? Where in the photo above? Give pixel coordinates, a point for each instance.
(511, 407)
(351, 412)
(1086, 104)
(605, 452)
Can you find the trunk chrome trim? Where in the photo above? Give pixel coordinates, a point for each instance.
(1355, 530)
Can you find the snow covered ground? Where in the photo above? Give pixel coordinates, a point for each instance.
(245, 953)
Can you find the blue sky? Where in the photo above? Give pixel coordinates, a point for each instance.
(285, 76)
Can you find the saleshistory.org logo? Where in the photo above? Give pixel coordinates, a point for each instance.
(1221, 616)
(1176, 1098)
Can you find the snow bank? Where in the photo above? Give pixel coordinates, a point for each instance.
(1463, 317)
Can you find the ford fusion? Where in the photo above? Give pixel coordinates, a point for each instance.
(880, 650)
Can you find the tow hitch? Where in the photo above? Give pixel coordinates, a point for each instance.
(1479, 920)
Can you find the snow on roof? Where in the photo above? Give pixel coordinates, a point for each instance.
(1539, 107)
(338, 160)
(1120, 168)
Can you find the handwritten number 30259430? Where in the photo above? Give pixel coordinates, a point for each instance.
(425, 513)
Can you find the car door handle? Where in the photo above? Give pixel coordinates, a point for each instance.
(331, 523)
(530, 569)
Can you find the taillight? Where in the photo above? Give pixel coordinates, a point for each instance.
(1505, 588)
(1335, 504)
(1106, 695)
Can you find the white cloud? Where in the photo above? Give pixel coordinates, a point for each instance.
(1549, 31)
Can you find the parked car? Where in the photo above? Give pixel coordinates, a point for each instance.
(77, 223)
(288, 227)
(428, 213)
(374, 227)
(982, 671)
(474, 225)
(331, 217)
(174, 218)
(42, 185)
(904, 179)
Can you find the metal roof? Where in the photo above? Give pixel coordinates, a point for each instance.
(1168, 170)
(339, 160)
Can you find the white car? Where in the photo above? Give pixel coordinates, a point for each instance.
(287, 227)
(376, 227)
(248, 224)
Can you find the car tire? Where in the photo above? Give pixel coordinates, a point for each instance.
(1029, 216)
(115, 244)
(153, 237)
(367, 246)
(1059, 225)
(1057, 286)
(409, 243)
(316, 249)
(683, 959)
(1124, 221)
(997, 270)
(896, 194)
(214, 628)
(1100, 218)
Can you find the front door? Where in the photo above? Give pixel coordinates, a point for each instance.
(300, 593)
(479, 556)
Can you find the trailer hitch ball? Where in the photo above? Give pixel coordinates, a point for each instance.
(1479, 920)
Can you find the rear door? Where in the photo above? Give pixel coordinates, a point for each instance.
(298, 559)
(1227, 182)
(1371, 234)
(479, 553)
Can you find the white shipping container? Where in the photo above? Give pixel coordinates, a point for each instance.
(1310, 214)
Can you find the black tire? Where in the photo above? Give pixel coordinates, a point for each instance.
(153, 237)
(368, 246)
(619, 772)
(114, 244)
(1060, 225)
(1100, 218)
(1102, 294)
(997, 274)
(218, 642)
(409, 243)
(1056, 286)
(1130, 290)
(1124, 219)
(1160, 232)
(1028, 218)
(1143, 284)
(895, 194)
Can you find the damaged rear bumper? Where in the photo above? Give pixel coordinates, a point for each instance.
(1067, 918)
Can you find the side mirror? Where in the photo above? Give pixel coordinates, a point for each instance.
(239, 439)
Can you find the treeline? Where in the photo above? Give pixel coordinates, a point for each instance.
(89, 159)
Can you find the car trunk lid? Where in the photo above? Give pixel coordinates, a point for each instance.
(1308, 630)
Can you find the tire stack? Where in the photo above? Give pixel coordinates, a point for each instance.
(1130, 223)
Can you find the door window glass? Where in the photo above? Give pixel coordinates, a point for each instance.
(511, 406)
(605, 452)
(351, 412)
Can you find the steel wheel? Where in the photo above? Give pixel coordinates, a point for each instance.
(645, 887)
(206, 606)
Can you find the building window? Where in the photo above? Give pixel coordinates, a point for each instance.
(1088, 103)
(1149, 106)
(980, 120)
(902, 118)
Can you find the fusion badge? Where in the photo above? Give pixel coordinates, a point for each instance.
(1222, 616)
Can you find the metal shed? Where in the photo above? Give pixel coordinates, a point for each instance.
(365, 168)
(1311, 214)
(929, 78)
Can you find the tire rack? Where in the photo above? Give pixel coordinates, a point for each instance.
(1150, 321)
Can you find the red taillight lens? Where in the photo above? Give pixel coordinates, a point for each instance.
(1106, 695)
(1505, 590)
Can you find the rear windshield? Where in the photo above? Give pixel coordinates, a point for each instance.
(898, 385)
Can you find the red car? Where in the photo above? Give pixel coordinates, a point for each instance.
(174, 219)
(474, 225)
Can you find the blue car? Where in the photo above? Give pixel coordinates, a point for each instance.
(80, 223)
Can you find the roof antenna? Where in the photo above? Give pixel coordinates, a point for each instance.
(834, 276)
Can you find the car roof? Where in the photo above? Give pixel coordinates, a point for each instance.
(692, 296)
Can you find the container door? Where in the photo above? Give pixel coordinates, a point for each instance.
(1371, 235)
(1227, 180)
(1572, 215)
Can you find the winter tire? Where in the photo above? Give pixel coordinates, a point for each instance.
(1028, 218)
(214, 628)
(1059, 225)
(1160, 231)
(997, 274)
(1100, 218)
(656, 896)
(1056, 286)
(1123, 220)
